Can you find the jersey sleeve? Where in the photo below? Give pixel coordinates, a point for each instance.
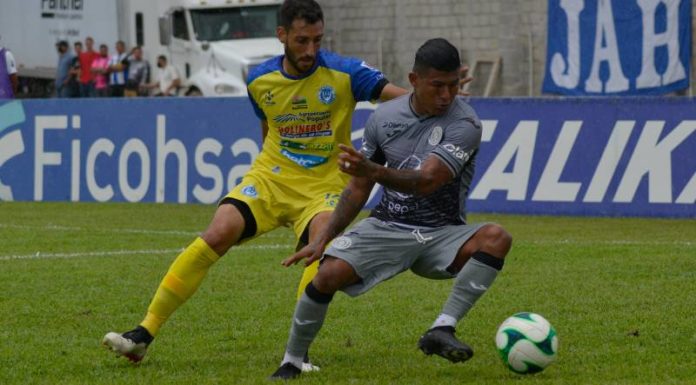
(460, 141)
(365, 82)
(255, 105)
(370, 145)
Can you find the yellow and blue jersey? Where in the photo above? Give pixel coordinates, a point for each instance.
(308, 116)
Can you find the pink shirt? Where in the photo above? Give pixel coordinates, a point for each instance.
(100, 80)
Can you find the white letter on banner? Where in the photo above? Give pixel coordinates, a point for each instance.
(487, 129)
(239, 147)
(675, 70)
(164, 149)
(100, 194)
(610, 159)
(688, 195)
(520, 146)
(549, 188)
(570, 80)
(208, 170)
(654, 159)
(75, 168)
(134, 146)
(605, 31)
(41, 158)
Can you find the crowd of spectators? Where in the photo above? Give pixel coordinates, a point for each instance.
(86, 73)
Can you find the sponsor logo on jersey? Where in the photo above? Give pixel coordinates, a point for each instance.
(435, 136)
(394, 125)
(307, 146)
(457, 151)
(306, 130)
(299, 102)
(342, 243)
(327, 94)
(309, 117)
(250, 191)
(306, 161)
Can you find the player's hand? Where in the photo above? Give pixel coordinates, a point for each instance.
(312, 252)
(464, 78)
(354, 163)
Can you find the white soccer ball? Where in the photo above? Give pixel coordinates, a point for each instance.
(527, 343)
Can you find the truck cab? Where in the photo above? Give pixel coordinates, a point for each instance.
(214, 43)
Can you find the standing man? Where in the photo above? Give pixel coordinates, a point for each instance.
(87, 57)
(305, 100)
(138, 73)
(74, 73)
(8, 74)
(118, 70)
(65, 60)
(430, 148)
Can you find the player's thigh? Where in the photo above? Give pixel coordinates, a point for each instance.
(313, 214)
(263, 205)
(443, 249)
(376, 250)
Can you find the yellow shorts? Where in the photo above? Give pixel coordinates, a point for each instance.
(283, 201)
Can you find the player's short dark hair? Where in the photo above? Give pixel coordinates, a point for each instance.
(307, 10)
(78, 44)
(162, 57)
(438, 54)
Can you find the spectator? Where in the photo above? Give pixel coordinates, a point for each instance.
(138, 74)
(168, 80)
(8, 74)
(118, 68)
(65, 59)
(100, 70)
(73, 84)
(86, 75)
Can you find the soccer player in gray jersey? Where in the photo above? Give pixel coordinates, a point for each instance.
(421, 148)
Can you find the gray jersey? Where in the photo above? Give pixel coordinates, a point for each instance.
(395, 135)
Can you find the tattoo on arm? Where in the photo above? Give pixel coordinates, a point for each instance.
(352, 200)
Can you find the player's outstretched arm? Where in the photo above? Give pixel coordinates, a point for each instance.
(352, 200)
(432, 174)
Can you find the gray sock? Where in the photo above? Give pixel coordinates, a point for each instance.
(473, 280)
(306, 322)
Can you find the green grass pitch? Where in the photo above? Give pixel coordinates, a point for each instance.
(620, 292)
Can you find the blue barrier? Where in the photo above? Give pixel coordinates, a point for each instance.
(613, 157)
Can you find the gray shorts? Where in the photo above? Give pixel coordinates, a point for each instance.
(379, 250)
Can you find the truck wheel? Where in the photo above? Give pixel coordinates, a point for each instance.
(194, 92)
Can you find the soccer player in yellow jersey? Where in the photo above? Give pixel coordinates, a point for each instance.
(305, 100)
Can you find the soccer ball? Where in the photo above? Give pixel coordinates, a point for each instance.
(527, 343)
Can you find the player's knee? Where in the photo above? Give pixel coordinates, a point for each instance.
(334, 274)
(495, 239)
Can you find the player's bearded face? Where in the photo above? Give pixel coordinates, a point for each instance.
(434, 91)
(302, 42)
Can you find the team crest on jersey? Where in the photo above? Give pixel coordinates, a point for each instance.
(342, 243)
(327, 94)
(250, 191)
(435, 136)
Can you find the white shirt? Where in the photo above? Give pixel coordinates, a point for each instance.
(11, 64)
(117, 78)
(166, 77)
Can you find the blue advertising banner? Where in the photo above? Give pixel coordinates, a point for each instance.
(599, 156)
(627, 47)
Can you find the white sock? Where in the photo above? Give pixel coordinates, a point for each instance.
(296, 361)
(444, 320)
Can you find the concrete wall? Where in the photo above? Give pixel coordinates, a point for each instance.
(386, 33)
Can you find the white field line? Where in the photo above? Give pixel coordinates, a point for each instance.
(614, 242)
(111, 253)
(57, 228)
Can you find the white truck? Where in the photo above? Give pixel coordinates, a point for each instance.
(212, 43)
